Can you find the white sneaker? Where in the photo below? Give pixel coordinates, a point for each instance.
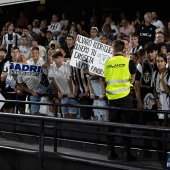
(59, 115)
(50, 114)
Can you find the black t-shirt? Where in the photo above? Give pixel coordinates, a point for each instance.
(146, 33)
(144, 91)
(132, 67)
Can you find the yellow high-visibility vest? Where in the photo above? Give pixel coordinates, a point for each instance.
(117, 77)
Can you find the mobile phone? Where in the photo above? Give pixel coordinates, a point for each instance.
(52, 46)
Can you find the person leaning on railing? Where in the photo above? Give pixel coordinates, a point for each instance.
(98, 95)
(66, 86)
(29, 83)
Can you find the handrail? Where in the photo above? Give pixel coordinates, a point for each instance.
(42, 119)
(164, 130)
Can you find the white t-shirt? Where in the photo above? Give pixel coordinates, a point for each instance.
(61, 76)
(96, 38)
(158, 24)
(36, 30)
(25, 51)
(10, 79)
(31, 81)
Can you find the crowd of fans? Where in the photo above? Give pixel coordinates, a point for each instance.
(50, 45)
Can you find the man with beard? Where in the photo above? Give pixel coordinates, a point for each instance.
(143, 89)
(155, 21)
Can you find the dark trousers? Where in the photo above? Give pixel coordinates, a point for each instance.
(120, 116)
(21, 106)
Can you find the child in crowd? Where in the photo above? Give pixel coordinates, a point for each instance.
(103, 39)
(94, 34)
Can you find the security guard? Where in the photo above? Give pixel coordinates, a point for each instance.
(119, 74)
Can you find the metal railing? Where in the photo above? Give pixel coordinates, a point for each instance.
(41, 126)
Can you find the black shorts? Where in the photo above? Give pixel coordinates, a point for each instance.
(9, 95)
(85, 113)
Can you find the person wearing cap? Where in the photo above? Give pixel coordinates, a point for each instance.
(63, 37)
(49, 38)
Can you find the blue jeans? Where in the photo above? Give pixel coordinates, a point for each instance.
(100, 114)
(71, 110)
(35, 107)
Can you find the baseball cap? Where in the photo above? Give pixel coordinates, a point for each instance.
(36, 20)
(65, 28)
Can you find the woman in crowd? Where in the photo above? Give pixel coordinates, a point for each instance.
(161, 84)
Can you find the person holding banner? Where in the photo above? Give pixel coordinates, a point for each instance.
(81, 80)
(119, 74)
(29, 82)
(11, 83)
